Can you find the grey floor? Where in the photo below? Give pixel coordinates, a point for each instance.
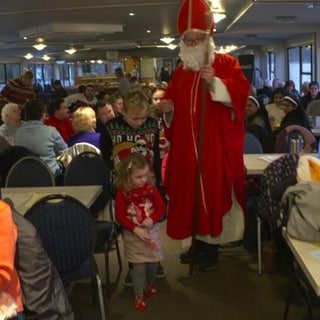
(231, 292)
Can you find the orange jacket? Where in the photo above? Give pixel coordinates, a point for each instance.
(9, 281)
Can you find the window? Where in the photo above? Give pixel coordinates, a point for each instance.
(8, 71)
(43, 75)
(300, 65)
(270, 65)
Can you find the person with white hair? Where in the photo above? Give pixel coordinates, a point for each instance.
(11, 118)
(205, 185)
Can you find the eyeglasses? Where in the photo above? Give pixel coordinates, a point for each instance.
(196, 41)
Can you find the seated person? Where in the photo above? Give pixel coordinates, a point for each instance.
(11, 117)
(257, 123)
(58, 118)
(84, 124)
(294, 114)
(274, 109)
(43, 140)
(256, 113)
(313, 108)
(87, 98)
(59, 91)
(116, 101)
(312, 94)
(104, 112)
(290, 89)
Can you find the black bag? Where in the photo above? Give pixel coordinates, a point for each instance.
(300, 211)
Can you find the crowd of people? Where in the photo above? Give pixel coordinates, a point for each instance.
(271, 111)
(118, 123)
(145, 134)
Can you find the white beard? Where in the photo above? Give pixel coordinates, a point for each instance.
(195, 57)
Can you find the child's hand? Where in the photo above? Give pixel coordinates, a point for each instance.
(147, 222)
(142, 233)
(166, 106)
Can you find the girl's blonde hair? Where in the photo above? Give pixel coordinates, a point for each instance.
(132, 162)
(83, 118)
(8, 108)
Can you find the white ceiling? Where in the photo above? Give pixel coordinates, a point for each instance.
(97, 26)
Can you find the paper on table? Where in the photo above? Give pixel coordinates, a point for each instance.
(315, 254)
(270, 158)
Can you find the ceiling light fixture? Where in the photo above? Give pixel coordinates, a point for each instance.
(218, 16)
(39, 46)
(70, 51)
(46, 57)
(28, 56)
(167, 40)
(171, 46)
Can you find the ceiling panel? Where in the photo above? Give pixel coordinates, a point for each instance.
(84, 24)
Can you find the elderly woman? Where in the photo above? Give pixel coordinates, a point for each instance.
(84, 124)
(11, 118)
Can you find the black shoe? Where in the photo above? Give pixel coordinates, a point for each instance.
(207, 263)
(161, 272)
(185, 257)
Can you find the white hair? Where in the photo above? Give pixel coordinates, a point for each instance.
(194, 57)
(8, 108)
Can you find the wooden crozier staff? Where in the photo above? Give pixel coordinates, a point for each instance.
(198, 172)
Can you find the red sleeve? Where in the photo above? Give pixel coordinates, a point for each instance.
(121, 212)
(158, 206)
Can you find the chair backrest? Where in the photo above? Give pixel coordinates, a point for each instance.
(67, 231)
(89, 168)
(9, 157)
(282, 144)
(275, 173)
(68, 154)
(251, 144)
(30, 171)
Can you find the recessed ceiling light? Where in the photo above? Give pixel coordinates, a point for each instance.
(70, 51)
(148, 31)
(131, 14)
(39, 46)
(218, 16)
(167, 40)
(171, 46)
(28, 56)
(46, 57)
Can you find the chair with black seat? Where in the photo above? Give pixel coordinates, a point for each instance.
(68, 234)
(9, 157)
(29, 171)
(251, 144)
(89, 168)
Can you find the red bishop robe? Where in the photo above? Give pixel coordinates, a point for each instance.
(222, 159)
